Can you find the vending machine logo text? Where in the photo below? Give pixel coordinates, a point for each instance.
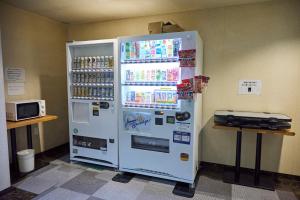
(137, 121)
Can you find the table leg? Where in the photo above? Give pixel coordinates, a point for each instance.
(238, 156)
(257, 158)
(29, 137)
(13, 141)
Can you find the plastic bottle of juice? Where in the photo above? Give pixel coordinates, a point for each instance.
(163, 75)
(153, 75)
(175, 74)
(175, 47)
(158, 75)
(164, 49)
(137, 50)
(148, 75)
(132, 50)
(127, 77)
(158, 49)
(137, 75)
(142, 75)
(142, 50)
(169, 75)
(152, 49)
(131, 76)
(127, 50)
(169, 43)
(147, 50)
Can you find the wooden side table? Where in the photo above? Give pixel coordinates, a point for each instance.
(12, 127)
(252, 181)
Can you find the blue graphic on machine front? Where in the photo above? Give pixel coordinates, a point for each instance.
(137, 121)
(181, 137)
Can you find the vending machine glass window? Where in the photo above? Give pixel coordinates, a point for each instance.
(149, 73)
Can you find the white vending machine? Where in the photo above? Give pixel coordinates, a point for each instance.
(159, 132)
(93, 101)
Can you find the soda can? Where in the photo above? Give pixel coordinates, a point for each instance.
(102, 92)
(102, 77)
(79, 91)
(111, 77)
(111, 92)
(85, 62)
(90, 62)
(98, 78)
(74, 91)
(82, 78)
(106, 61)
(86, 78)
(97, 62)
(127, 75)
(74, 63)
(102, 61)
(94, 78)
(81, 62)
(111, 61)
(90, 92)
(74, 78)
(93, 62)
(132, 96)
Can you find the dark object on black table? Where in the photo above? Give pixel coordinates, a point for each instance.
(258, 120)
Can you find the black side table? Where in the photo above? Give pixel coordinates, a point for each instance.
(256, 179)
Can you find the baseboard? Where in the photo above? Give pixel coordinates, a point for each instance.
(249, 170)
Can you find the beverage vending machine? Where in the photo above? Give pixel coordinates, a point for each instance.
(93, 101)
(158, 131)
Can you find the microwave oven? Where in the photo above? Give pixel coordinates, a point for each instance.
(25, 109)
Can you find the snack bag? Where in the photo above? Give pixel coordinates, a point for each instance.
(187, 58)
(185, 89)
(200, 83)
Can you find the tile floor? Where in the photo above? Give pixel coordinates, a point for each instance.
(61, 180)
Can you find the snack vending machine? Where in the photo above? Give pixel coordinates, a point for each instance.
(93, 101)
(160, 122)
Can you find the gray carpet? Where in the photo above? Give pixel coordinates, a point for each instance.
(64, 181)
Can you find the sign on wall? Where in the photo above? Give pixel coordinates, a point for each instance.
(15, 77)
(250, 87)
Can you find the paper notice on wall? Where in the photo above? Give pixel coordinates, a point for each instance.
(15, 74)
(15, 88)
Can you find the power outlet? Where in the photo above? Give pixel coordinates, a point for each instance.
(250, 87)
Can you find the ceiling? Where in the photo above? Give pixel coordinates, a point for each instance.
(83, 11)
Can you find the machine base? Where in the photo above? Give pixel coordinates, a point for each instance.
(91, 161)
(123, 178)
(265, 182)
(184, 190)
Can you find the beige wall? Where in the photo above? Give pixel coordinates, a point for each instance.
(38, 44)
(257, 41)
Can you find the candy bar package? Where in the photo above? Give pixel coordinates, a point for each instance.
(187, 58)
(200, 83)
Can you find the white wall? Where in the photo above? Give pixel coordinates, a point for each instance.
(4, 163)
